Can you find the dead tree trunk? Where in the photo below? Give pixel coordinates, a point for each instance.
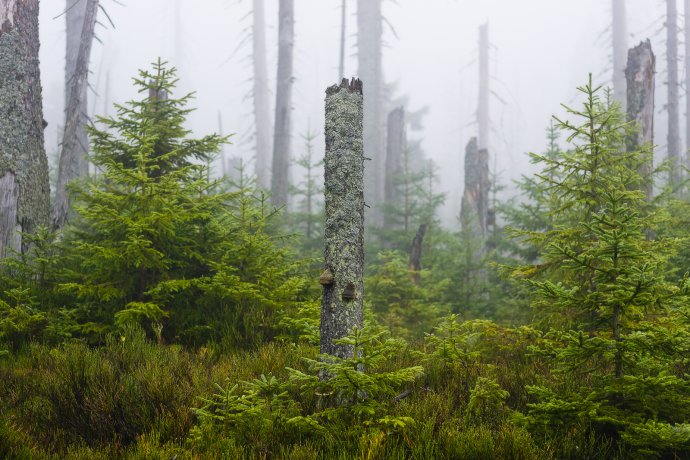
(619, 32)
(343, 38)
(415, 264)
(74, 18)
(687, 83)
(24, 187)
(484, 88)
(369, 57)
(475, 199)
(672, 104)
(640, 77)
(261, 96)
(394, 157)
(281, 139)
(343, 287)
(71, 153)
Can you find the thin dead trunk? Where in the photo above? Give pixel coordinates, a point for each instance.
(672, 103)
(343, 38)
(24, 187)
(69, 167)
(687, 84)
(263, 126)
(281, 140)
(475, 199)
(484, 88)
(370, 68)
(619, 32)
(415, 264)
(394, 158)
(640, 100)
(342, 280)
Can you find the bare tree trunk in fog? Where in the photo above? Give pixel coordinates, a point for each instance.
(619, 32)
(475, 199)
(281, 138)
(343, 287)
(640, 76)
(687, 83)
(343, 37)
(415, 264)
(24, 187)
(74, 18)
(672, 104)
(394, 158)
(261, 95)
(72, 153)
(369, 57)
(484, 88)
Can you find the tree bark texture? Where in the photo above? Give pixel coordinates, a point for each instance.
(415, 264)
(281, 139)
(72, 159)
(261, 97)
(395, 148)
(24, 186)
(343, 288)
(483, 116)
(672, 103)
(475, 199)
(639, 74)
(619, 32)
(370, 68)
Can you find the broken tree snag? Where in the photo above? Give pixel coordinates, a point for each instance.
(342, 300)
(25, 191)
(72, 153)
(415, 265)
(673, 138)
(640, 105)
(394, 156)
(475, 199)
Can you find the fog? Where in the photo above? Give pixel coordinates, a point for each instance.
(541, 51)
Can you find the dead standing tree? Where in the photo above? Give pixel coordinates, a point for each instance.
(415, 263)
(395, 150)
(70, 154)
(672, 103)
(280, 173)
(24, 186)
(640, 104)
(261, 98)
(475, 199)
(342, 279)
(619, 34)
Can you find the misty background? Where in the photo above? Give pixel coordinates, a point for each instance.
(541, 51)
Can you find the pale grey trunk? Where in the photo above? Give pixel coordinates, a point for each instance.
(74, 18)
(672, 103)
(395, 149)
(280, 173)
(415, 263)
(343, 288)
(71, 155)
(475, 199)
(687, 83)
(24, 186)
(261, 95)
(343, 38)
(484, 88)
(369, 57)
(619, 32)
(640, 98)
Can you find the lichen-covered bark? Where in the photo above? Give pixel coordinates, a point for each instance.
(619, 35)
(344, 208)
(415, 263)
(74, 19)
(673, 139)
(262, 106)
(370, 68)
(280, 173)
(72, 159)
(23, 160)
(394, 155)
(640, 103)
(483, 106)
